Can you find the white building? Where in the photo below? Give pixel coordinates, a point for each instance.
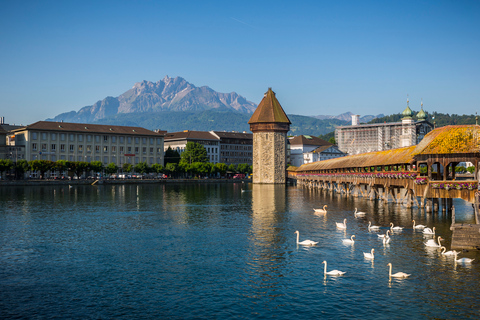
(225, 147)
(45, 140)
(361, 138)
(305, 149)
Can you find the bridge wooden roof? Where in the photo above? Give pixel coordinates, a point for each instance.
(450, 139)
(444, 140)
(377, 158)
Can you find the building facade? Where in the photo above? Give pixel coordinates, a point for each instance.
(235, 147)
(178, 141)
(224, 147)
(54, 141)
(269, 125)
(362, 138)
(305, 149)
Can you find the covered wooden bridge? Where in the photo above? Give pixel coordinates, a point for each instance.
(422, 175)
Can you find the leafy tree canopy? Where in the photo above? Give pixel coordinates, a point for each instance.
(111, 168)
(172, 156)
(194, 152)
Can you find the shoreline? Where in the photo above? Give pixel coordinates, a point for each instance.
(4, 183)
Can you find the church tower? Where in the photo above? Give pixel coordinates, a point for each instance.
(269, 125)
(408, 136)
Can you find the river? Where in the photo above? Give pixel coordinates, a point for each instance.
(222, 251)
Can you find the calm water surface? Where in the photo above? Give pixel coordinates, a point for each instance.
(216, 252)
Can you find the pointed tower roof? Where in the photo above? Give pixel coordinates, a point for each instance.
(269, 110)
(421, 114)
(407, 113)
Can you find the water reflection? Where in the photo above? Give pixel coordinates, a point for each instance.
(215, 251)
(267, 256)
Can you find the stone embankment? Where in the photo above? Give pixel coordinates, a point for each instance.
(48, 182)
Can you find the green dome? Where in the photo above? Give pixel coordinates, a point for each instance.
(407, 113)
(421, 115)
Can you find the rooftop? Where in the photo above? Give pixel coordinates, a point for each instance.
(269, 110)
(88, 128)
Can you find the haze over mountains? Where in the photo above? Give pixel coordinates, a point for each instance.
(173, 104)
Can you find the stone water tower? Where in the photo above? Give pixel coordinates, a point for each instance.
(269, 125)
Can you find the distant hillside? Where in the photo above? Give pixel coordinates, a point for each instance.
(347, 116)
(215, 120)
(440, 119)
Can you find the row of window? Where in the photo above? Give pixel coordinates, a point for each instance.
(121, 149)
(88, 138)
(234, 147)
(235, 154)
(106, 159)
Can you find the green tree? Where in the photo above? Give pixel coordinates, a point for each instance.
(157, 168)
(127, 167)
(5, 165)
(471, 169)
(243, 168)
(171, 168)
(332, 140)
(194, 152)
(232, 168)
(62, 165)
(111, 168)
(79, 167)
(142, 168)
(42, 166)
(220, 168)
(96, 166)
(172, 156)
(20, 168)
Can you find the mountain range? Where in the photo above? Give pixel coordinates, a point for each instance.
(173, 104)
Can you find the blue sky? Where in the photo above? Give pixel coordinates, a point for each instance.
(320, 57)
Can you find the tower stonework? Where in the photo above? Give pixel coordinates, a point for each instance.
(269, 125)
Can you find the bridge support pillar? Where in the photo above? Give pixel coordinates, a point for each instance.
(435, 204)
(449, 204)
(444, 205)
(409, 198)
(428, 205)
(372, 195)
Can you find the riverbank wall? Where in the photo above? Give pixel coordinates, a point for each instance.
(11, 183)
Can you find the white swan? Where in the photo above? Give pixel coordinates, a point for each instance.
(396, 275)
(397, 228)
(359, 214)
(383, 235)
(429, 231)
(324, 210)
(370, 227)
(462, 260)
(333, 272)
(369, 255)
(349, 241)
(386, 239)
(305, 242)
(342, 225)
(418, 226)
(448, 253)
(432, 243)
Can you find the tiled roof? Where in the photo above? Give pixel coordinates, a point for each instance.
(387, 157)
(450, 139)
(269, 110)
(233, 135)
(322, 148)
(308, 140)
(192, 135)
(88, 128)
